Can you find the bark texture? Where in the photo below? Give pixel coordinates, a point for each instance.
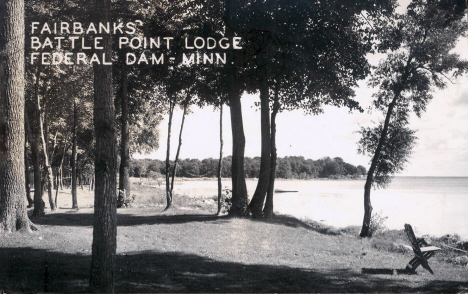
(105, 199)
(13, 215)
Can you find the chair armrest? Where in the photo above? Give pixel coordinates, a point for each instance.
(429, 248)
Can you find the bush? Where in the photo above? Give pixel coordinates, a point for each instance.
(377, 224)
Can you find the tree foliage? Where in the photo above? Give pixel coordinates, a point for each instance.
(419, 59)
(396, 151)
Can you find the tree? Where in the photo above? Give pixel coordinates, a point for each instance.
(124, 181)
(185, 105)
(35, 158)
(13, 214)
(220, 161)
(418, 45)
(138, 121)
(105, 198)
(301, 72)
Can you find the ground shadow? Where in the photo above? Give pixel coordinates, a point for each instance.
(71, 218)
(23, 270)
(291, 221)
(86, 219)
(386, 271)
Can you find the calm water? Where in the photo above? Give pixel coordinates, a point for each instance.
(433, 205)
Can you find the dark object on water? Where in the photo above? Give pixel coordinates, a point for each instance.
(285, 191)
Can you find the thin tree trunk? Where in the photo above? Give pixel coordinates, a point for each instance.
(26, 167)
(268, 209)
(220, 161)
(168, 153)
(124, 181)
(33, 141)
(59, 170)
(61, 177)
(258, 199)
(176, 160)
(49, 173)
(13, 214)
(105, 199)
(370, 174)
(74, 157)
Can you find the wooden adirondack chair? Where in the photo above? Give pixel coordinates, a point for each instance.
(421, 249)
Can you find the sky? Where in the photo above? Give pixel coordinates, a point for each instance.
(442, 131)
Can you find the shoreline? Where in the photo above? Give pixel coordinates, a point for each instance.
(340, 202)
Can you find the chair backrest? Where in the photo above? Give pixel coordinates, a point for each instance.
(411, 237)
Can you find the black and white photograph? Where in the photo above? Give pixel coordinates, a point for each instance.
(223, 146)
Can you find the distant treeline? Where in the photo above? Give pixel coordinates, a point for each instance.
(290, 167)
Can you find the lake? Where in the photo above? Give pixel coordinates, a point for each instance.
(432, 205)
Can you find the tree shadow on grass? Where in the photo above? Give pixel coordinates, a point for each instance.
(86, 219)
(123, 219)
(22, 270)
(291, 221)
(386, 271)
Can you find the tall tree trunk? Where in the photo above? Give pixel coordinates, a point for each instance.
(26, 166)
(35, 158)
(268, 209)
(105, 199)
(168, 154)
(124, 179)
(40, 122)
(258, 199)
(13, 214)
(74, 156)
(370, 174)
(239, 188)
(176, 160)
(220, 161)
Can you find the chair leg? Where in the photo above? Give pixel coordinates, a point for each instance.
(425, 262)
(412, 265)
(417, 261)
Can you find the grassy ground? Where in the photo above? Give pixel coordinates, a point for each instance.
(188, 249)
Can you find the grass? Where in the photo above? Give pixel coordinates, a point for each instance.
(189, 249)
